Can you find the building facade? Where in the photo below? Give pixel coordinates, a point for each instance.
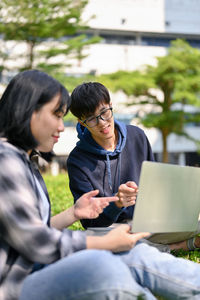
(134, 33)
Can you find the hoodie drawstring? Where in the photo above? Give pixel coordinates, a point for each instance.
(118, 170)
(109, 171)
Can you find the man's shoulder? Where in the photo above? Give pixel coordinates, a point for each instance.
(76, 151)
(78, 156)
(134, 130)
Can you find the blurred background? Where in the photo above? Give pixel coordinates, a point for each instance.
(146, 52)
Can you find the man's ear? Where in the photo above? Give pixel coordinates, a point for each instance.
(110, 104)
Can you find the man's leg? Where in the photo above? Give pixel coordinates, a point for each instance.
(162, 273)
(175, 240)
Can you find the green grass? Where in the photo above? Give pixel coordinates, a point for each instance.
(60, 195)
(191, 255)
(61, 198)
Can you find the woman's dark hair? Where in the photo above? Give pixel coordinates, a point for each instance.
(27, 92)
(86, 97)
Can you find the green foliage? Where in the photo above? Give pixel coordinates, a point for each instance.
(159, 120)
(53, 24)
(70, 47)
(71, 82)
(70, 119)
(60, 195)
(190, 255)
(131, 83)
(174, 80)
(40, 18)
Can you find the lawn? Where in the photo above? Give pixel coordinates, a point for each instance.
(61, 198)
(60, 195)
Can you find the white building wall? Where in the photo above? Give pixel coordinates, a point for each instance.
(182, 16)
(178, 16)
(138, 15)
(67, 141)
(108, 58)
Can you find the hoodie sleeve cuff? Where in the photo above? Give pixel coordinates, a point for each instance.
(112, 211)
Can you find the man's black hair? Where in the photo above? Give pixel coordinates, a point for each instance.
(86, 97)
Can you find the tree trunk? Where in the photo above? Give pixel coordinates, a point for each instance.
(30, 55)
(165, 157)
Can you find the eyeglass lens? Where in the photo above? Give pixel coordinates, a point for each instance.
(105, 115)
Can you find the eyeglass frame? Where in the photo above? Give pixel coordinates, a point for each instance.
(99, 117)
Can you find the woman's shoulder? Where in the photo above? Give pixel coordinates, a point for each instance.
(8, 148)
(11, 155)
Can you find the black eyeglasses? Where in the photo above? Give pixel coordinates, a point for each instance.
(104, 115)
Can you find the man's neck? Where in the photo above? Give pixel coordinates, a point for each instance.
(109, 144)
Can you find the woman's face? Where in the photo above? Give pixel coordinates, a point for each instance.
(46, 124)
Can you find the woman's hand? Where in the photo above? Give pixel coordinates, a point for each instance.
(117, 240)
(90, 207)
(86, 207)
(127, 194)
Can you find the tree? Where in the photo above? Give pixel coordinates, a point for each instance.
(71, 47)
(177, 77)
(36, 21)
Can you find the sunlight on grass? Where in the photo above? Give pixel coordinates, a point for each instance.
(191, 255)
(60, 195)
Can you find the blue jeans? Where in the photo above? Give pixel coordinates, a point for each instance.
(162, 273)
(101, 275)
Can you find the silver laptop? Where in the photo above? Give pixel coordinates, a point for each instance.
(168, 200)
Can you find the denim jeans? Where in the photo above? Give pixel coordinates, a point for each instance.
(101, 275)
(162, 273)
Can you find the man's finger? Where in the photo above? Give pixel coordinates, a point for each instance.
(132, 184)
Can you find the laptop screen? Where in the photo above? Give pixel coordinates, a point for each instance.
(168, 199)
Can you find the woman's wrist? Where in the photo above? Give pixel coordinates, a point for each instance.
(64, 219)
(73, 212)
(98, 242)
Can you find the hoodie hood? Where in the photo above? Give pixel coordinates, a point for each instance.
(87, 143)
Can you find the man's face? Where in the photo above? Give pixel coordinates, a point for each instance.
(104, 129)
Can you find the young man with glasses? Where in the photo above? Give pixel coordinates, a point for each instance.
(108, 155)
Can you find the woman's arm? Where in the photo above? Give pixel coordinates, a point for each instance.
(117, 240)
(21, 227)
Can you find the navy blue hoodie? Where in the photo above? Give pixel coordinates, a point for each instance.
(92, 167)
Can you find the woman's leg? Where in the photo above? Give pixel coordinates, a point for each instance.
(90, 274)
(162, 273)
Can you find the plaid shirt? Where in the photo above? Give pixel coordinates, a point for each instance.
(24, 238)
